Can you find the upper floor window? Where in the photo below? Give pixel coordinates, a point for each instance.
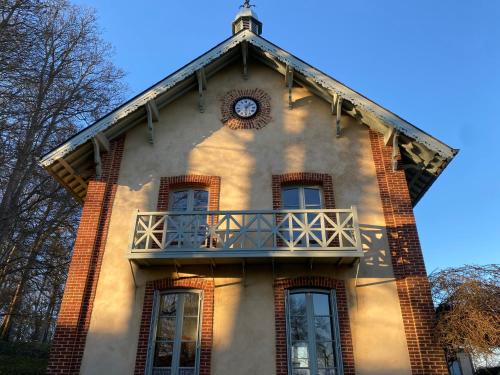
(313, 333)
(190, 199)
(301, 197)
(188, 230)
(175, 345)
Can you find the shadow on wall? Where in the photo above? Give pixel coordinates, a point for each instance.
(302, 143)
(376, 253)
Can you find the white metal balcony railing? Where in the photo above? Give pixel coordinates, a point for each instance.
(249, 233)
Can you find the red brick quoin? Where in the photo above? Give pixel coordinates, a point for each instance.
(320, 282)
(210, 182)
(305, 178)
(76, 307)
(426, 357)
(207, 286)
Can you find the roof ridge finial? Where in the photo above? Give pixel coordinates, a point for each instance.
(247, 4)
(247, 19)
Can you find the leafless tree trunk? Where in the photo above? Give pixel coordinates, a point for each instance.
(49, 315)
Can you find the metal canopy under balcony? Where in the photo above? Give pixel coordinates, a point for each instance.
(254, 235)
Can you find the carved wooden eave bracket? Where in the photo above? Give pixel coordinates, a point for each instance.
(201, 78)
(70, 178)
(289, 84)
(337, 111)
(101, 144)
(417, 147)
(153, 115)
(244, 57)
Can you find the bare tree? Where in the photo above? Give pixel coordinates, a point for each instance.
(56, 76)
(468, 308)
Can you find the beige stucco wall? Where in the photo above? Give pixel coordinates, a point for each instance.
(302, 139)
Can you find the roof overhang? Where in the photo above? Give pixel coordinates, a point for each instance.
(424, 157)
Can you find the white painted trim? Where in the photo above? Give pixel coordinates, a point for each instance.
(142, 99)
(357, 99)
(335, 87)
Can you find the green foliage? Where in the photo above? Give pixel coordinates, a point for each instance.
(23, 358)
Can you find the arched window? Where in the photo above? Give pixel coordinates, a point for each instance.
(302, 198)
(189, 199)
(175, 333)
(313, 332)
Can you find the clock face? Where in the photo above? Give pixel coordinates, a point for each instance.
(245, 107)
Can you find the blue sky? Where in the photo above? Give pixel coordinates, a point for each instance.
(434, 63)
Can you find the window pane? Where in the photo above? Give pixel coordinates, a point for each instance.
(189, 329)
(314, 220)
(298, 326)
(324, 352)
(168, 303)
(179, 201)
(200, 201)
(297, 304)
(191, 304)
(162, 371)
(321, 304)
(166, 329)
(291, 198)
(188, 354)
(169, 339)
(454, 368)
(299, 371)
(312, 197)
(163, 354)
(311, 331)
(323, 329)
(300, 355)
(326, 371)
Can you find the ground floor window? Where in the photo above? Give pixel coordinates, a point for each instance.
(175, 334)
(313, 333)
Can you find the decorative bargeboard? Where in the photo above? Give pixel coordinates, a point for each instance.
(246, 233)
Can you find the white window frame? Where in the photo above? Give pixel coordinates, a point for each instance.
(178, 331)
(188, 219)
(302, 198)
(332, 297)
(190, 190)
(302, 204)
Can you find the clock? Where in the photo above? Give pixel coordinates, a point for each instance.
(246, 107)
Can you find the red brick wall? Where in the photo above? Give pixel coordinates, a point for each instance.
(322, 179)
(408, 263)
(207, 286)
(210, 182)
(280, 287)
(76, 307)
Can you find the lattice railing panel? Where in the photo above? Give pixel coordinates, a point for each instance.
(246, 230)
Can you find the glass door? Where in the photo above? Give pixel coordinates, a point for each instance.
(188, 229)
(303, 198)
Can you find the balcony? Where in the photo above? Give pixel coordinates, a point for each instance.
(229, 236)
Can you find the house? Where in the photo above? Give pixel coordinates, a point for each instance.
(248, 214)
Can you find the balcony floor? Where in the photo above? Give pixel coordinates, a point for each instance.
(187, 257)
